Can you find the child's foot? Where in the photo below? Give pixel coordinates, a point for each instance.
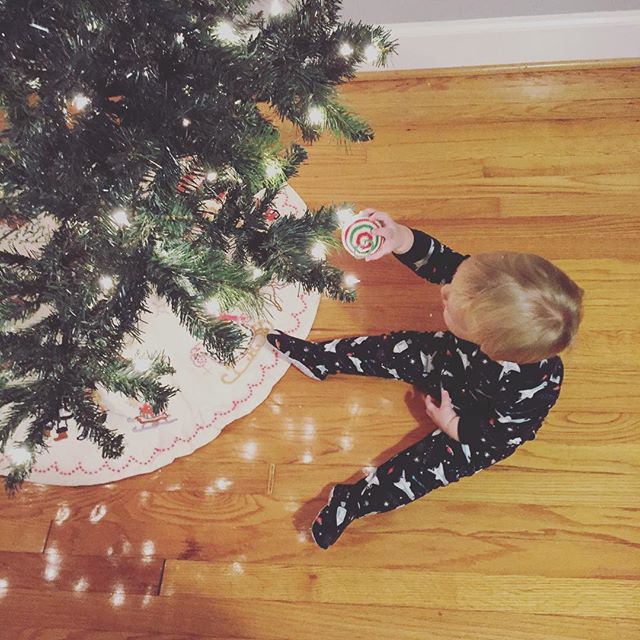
(302, 354)
(334, 518)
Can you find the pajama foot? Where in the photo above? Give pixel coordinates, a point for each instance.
(335, 517)
(302, 354)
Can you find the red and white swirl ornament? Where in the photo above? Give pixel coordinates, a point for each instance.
(358, 238)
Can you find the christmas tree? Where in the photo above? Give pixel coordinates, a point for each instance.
(144, 134)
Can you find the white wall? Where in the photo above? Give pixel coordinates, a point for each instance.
(461, 33)
(395, 11)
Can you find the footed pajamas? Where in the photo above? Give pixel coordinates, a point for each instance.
(500, 404)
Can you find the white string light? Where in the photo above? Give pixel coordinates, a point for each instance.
(141, 365)
(226, 32)
(350, 281)
(319, 251)
(180, 38)
(223, 484)
(81, 585)
(213, 307)
(316, 116)
(372, 53)
(346, 50)
(39, 27)
(106, 283)
(119, 216)
(18, 456)
(276, 8)
(272, 169)
(186, 122)
(80, 102)
(344, 216)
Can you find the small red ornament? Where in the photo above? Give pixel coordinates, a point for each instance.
(192, 181)
(271, 214)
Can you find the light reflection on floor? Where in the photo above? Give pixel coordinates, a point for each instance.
(53, 562)
(81, 585)
(98, 512)
(250, 450)
(118, 596)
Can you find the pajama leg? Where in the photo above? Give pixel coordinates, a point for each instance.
(404, 355)
(433, 462)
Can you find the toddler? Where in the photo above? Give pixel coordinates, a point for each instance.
(490, 380)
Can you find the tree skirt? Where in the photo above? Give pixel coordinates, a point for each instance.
(211, 395)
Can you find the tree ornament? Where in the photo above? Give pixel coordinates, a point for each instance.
(62, 424)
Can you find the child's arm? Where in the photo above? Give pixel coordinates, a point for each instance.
(422, 253)
(517, 414)
(431, 259)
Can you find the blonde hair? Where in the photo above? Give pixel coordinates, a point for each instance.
(518, 306)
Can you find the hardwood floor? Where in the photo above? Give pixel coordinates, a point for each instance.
(544, 546)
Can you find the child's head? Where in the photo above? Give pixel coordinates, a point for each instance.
(517, 306)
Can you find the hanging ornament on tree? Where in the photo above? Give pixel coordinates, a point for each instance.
(191, 181)
(117, 109)
(75, 107)
(271, 215)
(95, 397)
(211, 207)
(62, 426)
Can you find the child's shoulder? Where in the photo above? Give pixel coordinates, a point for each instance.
(505, 370)
(549, 371)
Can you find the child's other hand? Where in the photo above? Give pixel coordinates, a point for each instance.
(444, 416)
(397, 237)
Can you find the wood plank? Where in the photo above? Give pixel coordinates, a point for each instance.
(81, 634)
(22, 535)
(558, 66)
(556, 165)
(58, 571)
(458, 140)
(419, 205)
(177, 538)
(501, 483)
(506, 97)
(569, 204)
(468, 591)
(295, 620)
(459, 181)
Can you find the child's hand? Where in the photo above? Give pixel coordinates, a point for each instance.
(444, 416)
(398, 238)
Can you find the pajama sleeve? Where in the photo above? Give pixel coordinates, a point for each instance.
(431, 259)
(517, 413)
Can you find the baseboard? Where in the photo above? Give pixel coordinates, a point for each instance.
(502, 41)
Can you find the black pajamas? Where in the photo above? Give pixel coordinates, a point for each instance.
(500, 404)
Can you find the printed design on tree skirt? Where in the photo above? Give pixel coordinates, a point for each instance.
(211, 394)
